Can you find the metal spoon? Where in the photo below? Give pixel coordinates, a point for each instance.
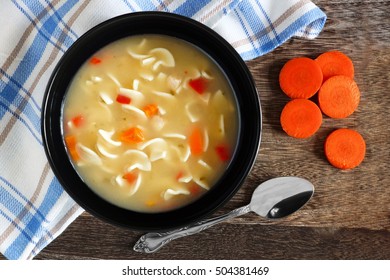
(273, 199)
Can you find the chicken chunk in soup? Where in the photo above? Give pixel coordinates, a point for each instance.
(150, 123)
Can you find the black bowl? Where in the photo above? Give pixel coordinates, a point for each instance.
(166, 24)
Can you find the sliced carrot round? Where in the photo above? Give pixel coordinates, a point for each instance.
(334, 63)
(300, 78)
(345, 148)
(301, 118)
(339, 97)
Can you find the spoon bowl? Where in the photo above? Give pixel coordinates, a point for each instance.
(273, 199)
(280, 197)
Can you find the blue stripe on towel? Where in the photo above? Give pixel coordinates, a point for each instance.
(37, 229)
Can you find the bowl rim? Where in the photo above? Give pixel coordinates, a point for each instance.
(55, 94)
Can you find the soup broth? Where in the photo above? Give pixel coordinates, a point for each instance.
(150, 123)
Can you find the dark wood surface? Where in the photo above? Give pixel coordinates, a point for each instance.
(349, 215)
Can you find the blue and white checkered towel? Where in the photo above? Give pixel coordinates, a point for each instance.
(34, 209)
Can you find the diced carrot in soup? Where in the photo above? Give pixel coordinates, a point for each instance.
(222, 152)
(78, 120)
(122, 99)
(150, 110)
(179, 175)
(195, 189)
(196, 141)
(150, 203)
(71, 142)
(130, 177)
(95, 60)
(132, 135)
(198, 84)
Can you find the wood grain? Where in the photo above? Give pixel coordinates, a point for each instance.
(349, 215)
(253, 241)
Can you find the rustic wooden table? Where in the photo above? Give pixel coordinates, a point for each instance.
(349, 215)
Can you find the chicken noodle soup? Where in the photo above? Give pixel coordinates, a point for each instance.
(150, 123)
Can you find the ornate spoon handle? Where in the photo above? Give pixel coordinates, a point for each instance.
(151, 242)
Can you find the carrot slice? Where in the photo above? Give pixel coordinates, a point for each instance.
(334, 63)
(71, 142)
(300, 78)
(301, 118)
(199, 85)
(95, 60)
(345, 148)
(196, 141)
(132, 135)
(150, 110)
(339, 97)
